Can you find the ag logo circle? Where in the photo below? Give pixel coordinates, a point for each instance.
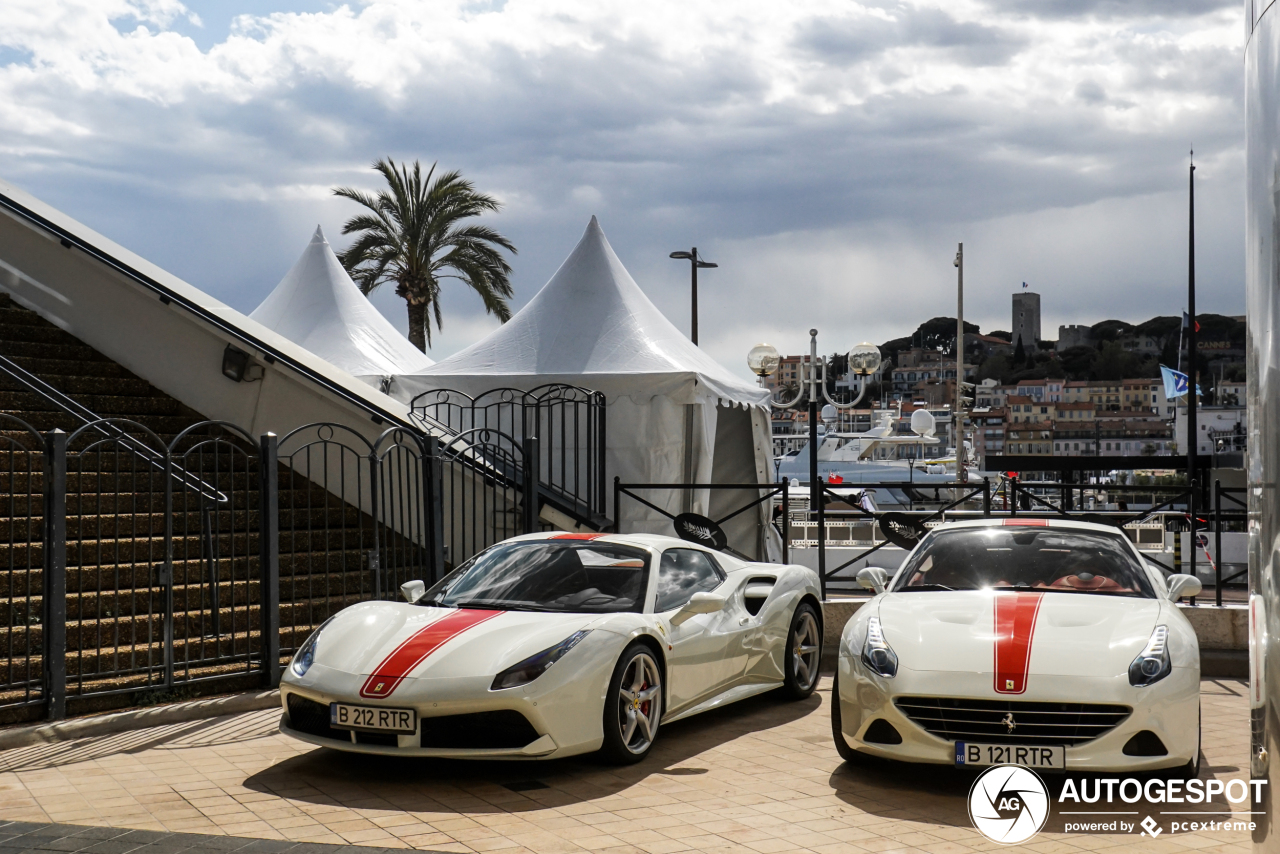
(1008, 804)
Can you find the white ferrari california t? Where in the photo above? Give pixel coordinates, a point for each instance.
(1046, 643)
(549, 645)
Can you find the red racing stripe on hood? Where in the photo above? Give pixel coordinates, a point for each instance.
(388, 675)
(1015, 620)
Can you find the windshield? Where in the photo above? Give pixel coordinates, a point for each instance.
(548, 575)
(1025, 558)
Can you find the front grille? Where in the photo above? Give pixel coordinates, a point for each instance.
(479, 731)
(312, 718)
(1036, 723)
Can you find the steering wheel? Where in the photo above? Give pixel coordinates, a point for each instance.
(1086, 581)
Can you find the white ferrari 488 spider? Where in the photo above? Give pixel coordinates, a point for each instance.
(1046, 643)
(549, 645)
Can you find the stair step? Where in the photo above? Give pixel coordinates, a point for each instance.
(51, 363)
(136, 407)
(142, 633)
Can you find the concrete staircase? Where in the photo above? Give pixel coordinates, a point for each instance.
(116, 533)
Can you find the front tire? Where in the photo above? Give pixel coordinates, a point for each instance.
(632, 706)
(847, 753)
(803, 655)
(1191, 770)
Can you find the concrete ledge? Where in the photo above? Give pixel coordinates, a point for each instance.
(1225, 662)
(115, 722)
(1219, 628)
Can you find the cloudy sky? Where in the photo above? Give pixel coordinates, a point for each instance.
(828, 155)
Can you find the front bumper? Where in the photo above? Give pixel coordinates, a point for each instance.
(564, 717)
(1170, 709)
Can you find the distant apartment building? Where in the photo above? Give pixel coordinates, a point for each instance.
(1218, 428)
(1035, 438)
(984, 394)
(787, 376)
(989, 427)
(1075, 391)
(1107, 395)
(1074, 438)
(918, 368)
(1231, 394)
(1026, 319)
(1128, 437)
(1024, 410)
(1032, 388)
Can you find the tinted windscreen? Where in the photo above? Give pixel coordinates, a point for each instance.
(546, 575)
(1025, 558)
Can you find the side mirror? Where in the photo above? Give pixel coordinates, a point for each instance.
(413, 591)
(874, 578)
(699, 603)
(1181, 586)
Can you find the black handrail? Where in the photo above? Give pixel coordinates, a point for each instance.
(167, 295)
(88, 418)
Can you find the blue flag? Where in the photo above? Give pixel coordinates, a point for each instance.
(1176, 383)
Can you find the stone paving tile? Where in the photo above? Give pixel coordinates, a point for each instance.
(760, 776)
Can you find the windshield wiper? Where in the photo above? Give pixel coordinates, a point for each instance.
(501, 606)
(923, 587)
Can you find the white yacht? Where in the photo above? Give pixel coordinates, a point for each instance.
(846, 460)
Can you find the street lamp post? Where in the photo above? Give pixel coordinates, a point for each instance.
(694, 263)
(864, 360)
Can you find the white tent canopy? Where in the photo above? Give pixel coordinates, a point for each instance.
(317, 306)
(674, 414)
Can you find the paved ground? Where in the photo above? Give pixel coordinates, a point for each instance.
(759, 776)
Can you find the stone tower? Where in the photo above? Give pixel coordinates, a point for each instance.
(1026, 318)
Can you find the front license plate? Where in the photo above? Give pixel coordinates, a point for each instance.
(971, 755)
(373, 718)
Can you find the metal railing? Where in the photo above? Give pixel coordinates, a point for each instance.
(1165, 510)
(763, 493)
(568, 421)
(86, 417)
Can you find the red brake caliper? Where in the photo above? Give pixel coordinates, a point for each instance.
(644, 707)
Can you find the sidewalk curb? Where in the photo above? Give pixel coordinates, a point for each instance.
(116, 722)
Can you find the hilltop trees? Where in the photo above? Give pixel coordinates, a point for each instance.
(1118, 350)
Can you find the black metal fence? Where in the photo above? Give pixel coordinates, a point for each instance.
(753, 495)
(138, 566)
(1160, 508)
(568, 422)
(356, 520)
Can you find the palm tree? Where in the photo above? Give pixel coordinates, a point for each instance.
(414, 234)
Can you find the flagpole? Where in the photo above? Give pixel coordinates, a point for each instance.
(1192, 434)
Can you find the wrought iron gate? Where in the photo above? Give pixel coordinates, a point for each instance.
(568, 422)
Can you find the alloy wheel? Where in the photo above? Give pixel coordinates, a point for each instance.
(640, 703)
(805, 650)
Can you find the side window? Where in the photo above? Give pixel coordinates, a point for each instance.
(682, 573)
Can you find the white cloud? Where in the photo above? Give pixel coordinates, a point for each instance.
(839, 147)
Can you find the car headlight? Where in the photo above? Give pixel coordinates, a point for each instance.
(1152, 664)
(536, 665)
(306, 654)
(876, 652)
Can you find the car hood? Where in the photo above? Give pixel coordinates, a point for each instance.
(1053, 634)
(401, 640)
